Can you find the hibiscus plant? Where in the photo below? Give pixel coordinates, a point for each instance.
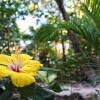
(17, 78)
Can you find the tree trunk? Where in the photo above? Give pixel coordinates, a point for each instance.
(71, 34)
(75, 44)
(63, 48)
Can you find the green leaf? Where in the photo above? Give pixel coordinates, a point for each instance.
(35, 92)
(27, 91)
(6, 95)
(48, 69)
(51, 77)
(43, 93)
(55, 87)
(47, 32)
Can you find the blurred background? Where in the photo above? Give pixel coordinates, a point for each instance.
(63, 34)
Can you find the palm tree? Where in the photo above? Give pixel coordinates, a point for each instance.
(88, 28)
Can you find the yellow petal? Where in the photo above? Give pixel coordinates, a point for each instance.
(4, 71)
(4, 59)
(28, 70)
(21, 57)
(32, 64)
(21, 79)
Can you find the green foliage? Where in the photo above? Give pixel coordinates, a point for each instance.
(86, 27)
(35, 92)
(9, 31)
(85, 31)
(43, 94)
(27, 91)
(48, 69)
(47, 77)
(55, 87)
(32, 91)
(6, 95)
(46, 33)
(92, 9)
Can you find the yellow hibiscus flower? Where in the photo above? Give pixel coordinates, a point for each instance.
(20, 67)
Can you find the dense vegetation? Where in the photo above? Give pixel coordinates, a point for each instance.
(66, 40)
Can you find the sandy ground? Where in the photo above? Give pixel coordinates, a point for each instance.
(83, 89)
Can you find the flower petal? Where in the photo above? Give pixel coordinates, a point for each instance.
(21, 79)
(35, 65)
(21, 57)
(28, 70)
(4, 59)
(4, 71)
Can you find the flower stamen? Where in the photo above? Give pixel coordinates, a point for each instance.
(17, 52)
(15, 68)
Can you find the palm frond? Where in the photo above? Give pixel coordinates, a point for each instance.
(47, 32)
(88, 27)
(92, 10)
(85, 30)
